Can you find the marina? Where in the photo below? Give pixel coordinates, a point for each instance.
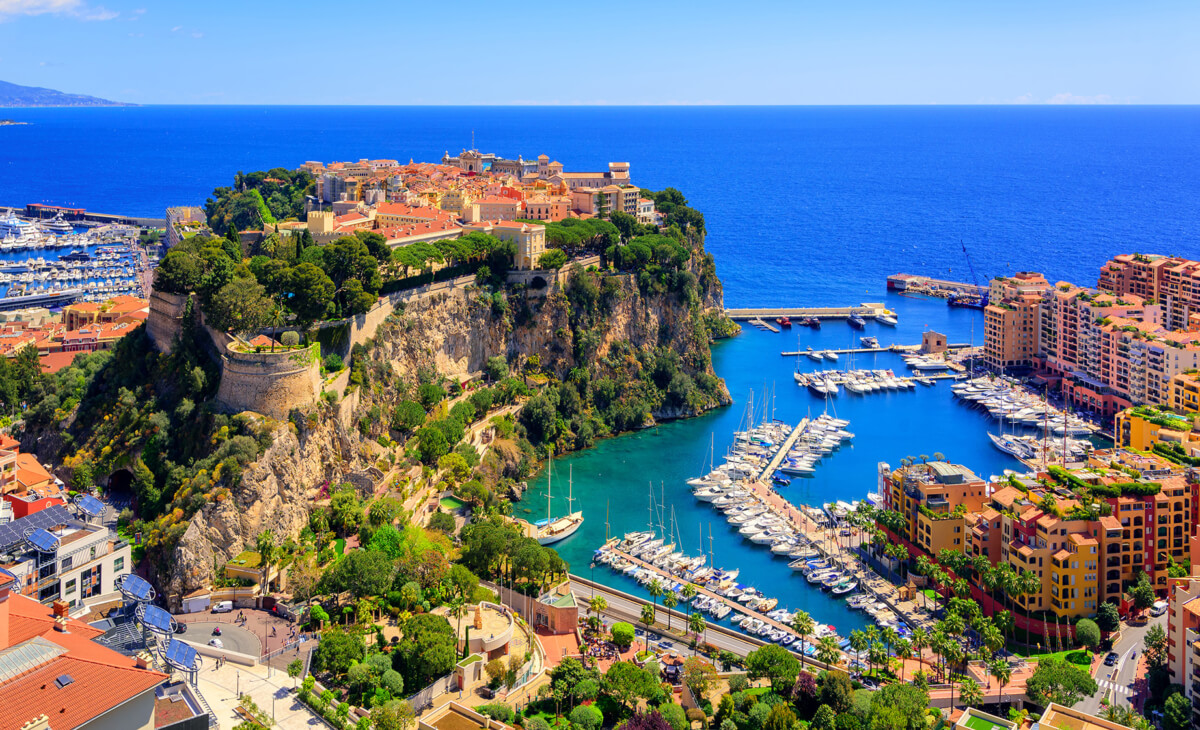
(52, 262)
(616, 471)
(868, 310)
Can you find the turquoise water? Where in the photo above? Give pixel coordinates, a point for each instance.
(615, 477)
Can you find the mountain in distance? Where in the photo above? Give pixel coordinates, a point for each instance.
(13, 95)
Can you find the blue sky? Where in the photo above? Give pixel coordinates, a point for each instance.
(533, 52)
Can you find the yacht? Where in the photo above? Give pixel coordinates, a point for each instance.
(16, 232)
(857, 322)
(58, 225)
(887, 319)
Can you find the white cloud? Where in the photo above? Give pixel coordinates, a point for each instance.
(1067, 97)
(177, 28)
(197, 35)
(72, 8)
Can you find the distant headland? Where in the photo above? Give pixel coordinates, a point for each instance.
(14, 95)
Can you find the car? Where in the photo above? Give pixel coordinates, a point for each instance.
(486, 693)
(666, 644)
(1111, 659)
(180, 628)
(216, 643)
(846, 532)
(223, 607)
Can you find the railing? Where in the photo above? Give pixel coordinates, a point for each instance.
(423, 699)
(212, 716)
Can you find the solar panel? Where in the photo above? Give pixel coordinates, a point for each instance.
(156, 618)
(90, 505)
(43, 541)
(13, 533)
(180, 655)
(136, 587)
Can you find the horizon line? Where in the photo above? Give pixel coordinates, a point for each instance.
(602, 105)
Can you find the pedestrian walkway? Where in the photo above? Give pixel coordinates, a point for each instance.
(271, 690)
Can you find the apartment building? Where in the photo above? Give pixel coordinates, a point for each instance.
(1012, 322)
(1183, 616)
(529, 237)
(1183, 392)
(1086, 544)
(1173, 282)
(84, 563)
(184, 222)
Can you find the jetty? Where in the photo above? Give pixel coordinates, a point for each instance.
(923, 284)
(871, 310)
(763, 324)
(870, 350)
(788, 443)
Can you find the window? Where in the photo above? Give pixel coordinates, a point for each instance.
(119, 564)
(70, 587)
(66, 562)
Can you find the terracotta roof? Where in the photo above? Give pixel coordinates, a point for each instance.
(30, 472)
(54, 361)
(1080, 538)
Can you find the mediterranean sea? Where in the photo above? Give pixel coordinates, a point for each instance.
(804, 206)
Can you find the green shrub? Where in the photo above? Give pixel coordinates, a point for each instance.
(290, 339)
(498, 711)
(622, 634)
(333, 362)
(589, 717)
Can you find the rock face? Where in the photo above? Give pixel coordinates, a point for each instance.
(452, 332)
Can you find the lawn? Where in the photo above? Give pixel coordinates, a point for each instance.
(1081, 657)
(339, 546)
(452, 504)
(979, 723)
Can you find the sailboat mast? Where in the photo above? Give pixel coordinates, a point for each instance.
(549, 479)
(570, 489)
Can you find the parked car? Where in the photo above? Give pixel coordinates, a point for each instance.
(1159, 608)
(180, 627)
(223, 607)
(217, 643)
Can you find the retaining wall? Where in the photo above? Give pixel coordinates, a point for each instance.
(164, 321)
(270, 383)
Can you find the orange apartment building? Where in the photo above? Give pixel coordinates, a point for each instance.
(1012, 322)
(1173, 282)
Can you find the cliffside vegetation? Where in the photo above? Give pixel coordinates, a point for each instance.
(147, 420)
(258, 200)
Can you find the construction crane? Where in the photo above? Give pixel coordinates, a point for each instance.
(977, 300)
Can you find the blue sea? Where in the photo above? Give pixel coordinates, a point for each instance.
(804, 206)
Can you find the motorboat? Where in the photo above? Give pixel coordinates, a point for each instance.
(857, 322)
(887, 319)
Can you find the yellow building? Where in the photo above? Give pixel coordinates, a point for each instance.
(1142, 427)
(1073, 577)
(1183, 393)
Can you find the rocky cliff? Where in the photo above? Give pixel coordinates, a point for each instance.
(452, 333)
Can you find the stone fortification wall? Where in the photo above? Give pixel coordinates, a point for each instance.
(164, 321)
(270, 383)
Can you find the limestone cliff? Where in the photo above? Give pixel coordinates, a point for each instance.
(452, 332)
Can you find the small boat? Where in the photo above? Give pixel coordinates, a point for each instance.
(784, 322)
(887, 319)
(830, 355)
(781, 479)
(814, 354)
(815, 323)
(870, 342)
(857, 322)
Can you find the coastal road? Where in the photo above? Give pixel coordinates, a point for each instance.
(1120, 680)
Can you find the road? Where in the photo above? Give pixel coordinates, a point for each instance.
(1119, 680)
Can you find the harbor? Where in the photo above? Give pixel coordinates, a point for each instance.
(54, 262)
(612, 477)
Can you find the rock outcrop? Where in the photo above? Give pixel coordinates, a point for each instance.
(452, 332)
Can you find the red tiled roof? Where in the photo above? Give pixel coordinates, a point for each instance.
(102, 678)
(52, 362)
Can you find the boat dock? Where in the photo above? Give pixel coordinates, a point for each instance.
(669, 579)
(763, 324)
(788, 443)
(917, 283)
(870, 350)
(871, 310)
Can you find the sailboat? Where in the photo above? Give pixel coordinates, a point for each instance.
(551, 530)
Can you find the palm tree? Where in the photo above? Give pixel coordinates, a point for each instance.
(597, 605)
(859, 643)
(689, 592)
(827, 651)
(1004, 621)
(698, 625)
(268, 553)
(803, 624)
(890, 638)
(1002, 672)
(904, 651)
(954, 654)
(277, 317)
(919, 641)
(458, 609)
(924, 458)
(648, 621)
(669, 602)
(655, 589)
(939, 456)
(970, 693)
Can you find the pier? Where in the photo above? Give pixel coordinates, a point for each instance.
(788, 443)
(871, 310)
(763, 324)
(669, 579)
(916, 282)
(870, 350)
